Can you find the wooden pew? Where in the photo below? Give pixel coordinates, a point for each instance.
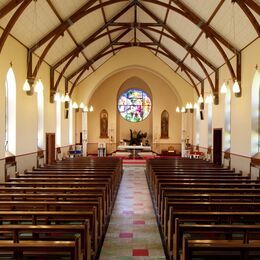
(242, 232)
(225, 248)
(48, 232)
(47, 248)
(46, 217)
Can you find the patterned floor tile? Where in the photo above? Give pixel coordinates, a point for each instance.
(133, 232)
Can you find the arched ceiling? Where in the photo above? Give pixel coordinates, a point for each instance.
(77, 36)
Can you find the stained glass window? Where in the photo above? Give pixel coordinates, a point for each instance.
(134, 105)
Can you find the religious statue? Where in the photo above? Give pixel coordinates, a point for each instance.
(165, 124)
(136, 137)
(103, 124)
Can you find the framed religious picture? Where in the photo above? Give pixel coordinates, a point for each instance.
(164, 124)
(103, 124)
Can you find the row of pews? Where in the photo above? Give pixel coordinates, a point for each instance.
(205, 211)
(58, 211)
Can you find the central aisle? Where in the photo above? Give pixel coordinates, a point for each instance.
(133, 231)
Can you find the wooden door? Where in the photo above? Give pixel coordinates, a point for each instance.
(50, 148)
(217, 146)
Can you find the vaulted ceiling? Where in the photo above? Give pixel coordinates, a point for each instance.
(75, 37)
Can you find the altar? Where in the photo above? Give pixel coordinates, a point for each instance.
(134, 149)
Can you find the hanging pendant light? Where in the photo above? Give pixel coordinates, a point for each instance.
(200, 100)
(91, 109)
(26, 86)
(183, 110)
(236, 88)
(81, 105)
(57, 96)
(223, 89)
(67, 97)
(75, 105)
(38, 86)
(177, 109)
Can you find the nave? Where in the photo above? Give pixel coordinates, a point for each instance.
(133, 231)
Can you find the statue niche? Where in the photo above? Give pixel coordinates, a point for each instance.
(103, 124)
(136, 137)
(165, 124)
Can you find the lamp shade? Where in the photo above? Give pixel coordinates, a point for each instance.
(200, 100)
(236, 88)
(223, 89)
(81, 105)
(67, 97)
(183, 109)
(26, 86)
(91, 109)
(38, 87)
(177, 109)
(57, 96)
(75, 105)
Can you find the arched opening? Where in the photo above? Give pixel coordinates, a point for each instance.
(10, 113)
(255, 114)
(134, 102)
(40, 107)
(227, 131)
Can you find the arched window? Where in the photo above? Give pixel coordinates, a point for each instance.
(227, 132)
(10, 112)
(197, 126)
(58, 122)
(70, 123)
(255, 133)
(209, 124)
(40, 105)
(164, 124)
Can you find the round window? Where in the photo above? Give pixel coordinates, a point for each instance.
(134, 105)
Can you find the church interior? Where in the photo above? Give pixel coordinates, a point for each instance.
(130, 129)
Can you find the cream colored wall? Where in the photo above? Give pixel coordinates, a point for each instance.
(26, 110)
(240, 110)
(105, 97)
(124, 126)
(135, 57)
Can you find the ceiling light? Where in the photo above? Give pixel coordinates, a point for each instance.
(236, 88)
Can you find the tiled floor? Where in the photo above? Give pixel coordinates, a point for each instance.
(133, 231)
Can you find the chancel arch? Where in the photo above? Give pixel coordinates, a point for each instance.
(106, 96)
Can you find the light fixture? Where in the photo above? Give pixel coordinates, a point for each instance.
(177, 109)
(236, 88)
(200, 100)
(62, 98)
(26, 86)
(75, 105)
(85, 109)
(57, 96)
(183, 109)
(195, 106)
(223, 89)
(81, 105)
(67, 97)
(38, 86)
(91, 109)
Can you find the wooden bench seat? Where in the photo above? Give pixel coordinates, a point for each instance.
(210, 248)
(240, 232)
(50, 233)
(47, 248)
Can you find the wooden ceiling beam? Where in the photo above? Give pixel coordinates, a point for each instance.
(253, 5)
(68, 31)
(83, 11)
(12, 22)
(171, 55)
(177, 37)
(105, 21)
(9, 7)
(54, 85)
(193, 82)
(91, 38)
(84, 67)
(199, 22)
(249, 15)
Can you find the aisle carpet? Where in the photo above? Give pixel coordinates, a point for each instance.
(133, 231)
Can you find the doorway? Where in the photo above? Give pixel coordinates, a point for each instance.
(217, 146)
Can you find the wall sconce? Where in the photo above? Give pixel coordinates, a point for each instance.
(200, 100)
